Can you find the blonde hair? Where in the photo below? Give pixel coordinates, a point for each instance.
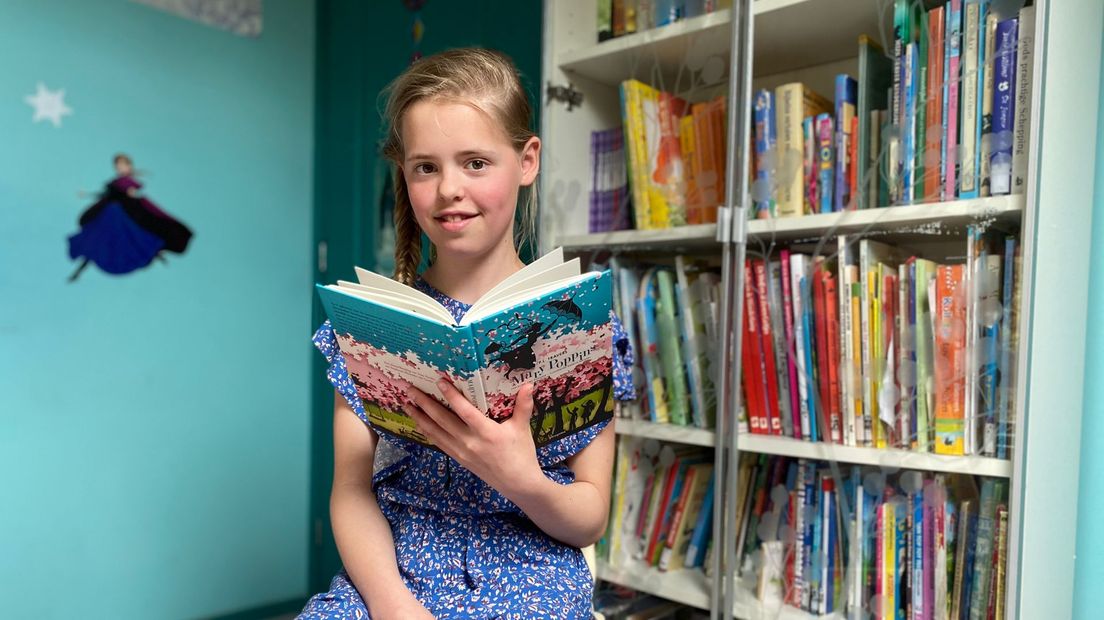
(484, 79)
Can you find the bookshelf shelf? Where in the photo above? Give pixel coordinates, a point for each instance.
(905, 219)
(683, 237)
(666, 432)
(789, 36)
(691, 587)
(901, 459)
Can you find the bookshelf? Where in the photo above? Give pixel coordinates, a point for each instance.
(793, 43)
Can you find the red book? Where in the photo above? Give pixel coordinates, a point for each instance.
(774, 411)
(750, 357)
(657, 535)
(835, 417)
(933, 133)
(889, 335)
(819, 314)
(791, 360)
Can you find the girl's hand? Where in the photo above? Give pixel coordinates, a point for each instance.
(502, 454)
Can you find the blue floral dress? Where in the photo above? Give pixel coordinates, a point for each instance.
(463, 549)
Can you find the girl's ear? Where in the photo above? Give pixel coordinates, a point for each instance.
(530, 161)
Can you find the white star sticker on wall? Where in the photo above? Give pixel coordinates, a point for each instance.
(48, 105)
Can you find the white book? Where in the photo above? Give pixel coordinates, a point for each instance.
(1021, 133)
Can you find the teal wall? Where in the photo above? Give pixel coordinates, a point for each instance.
(1089, 567)
(154, 432)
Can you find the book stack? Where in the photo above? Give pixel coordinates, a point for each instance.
(878, 347)
(663, 506)
(671, 317)
(617, 18)
(942, 116)
(609, 194)
(675, 156)
(828, 538)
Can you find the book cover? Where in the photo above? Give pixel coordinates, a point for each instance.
(925, 272)
(933, 124)
(770, 367)
(693, 331)
(909, 81)
(972, 71)
(825, 164)
(791, 343)
(649, 347)
(765, 137)
(985, 145)
(670, 351)
(1007, 351)
(846, 100)
(952, 85)
(636, 147)
(1025, 68)
(553, 333)
(1004, 102)
(752, 368)
(875, 78)
(668, 171)
(811, 167)
(793, 102)
(775, 309)
(949, 369)
(703, 529)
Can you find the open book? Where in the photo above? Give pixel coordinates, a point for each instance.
(547, 324)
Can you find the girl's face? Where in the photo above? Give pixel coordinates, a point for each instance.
(462, 176)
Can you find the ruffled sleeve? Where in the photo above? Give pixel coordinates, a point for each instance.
(326, 342)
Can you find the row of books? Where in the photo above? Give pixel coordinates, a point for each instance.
(944, 116)
(662, 509)
(912, 545)
(671, 315)
(675, 156)
(609, 193)
(876, 347)
(621, 17)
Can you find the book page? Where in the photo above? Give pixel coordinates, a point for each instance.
(557, 273)
(429, 309)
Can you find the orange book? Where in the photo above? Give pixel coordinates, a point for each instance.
(691, 165)
(835, 410)
(933, 133)
(949, 322)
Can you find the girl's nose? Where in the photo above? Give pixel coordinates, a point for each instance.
(451, 187)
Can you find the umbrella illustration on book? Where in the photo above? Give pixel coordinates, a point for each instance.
(518, 354)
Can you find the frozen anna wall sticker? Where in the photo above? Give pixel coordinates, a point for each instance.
(123, 231)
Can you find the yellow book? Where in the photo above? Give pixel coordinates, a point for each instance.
(792, 103)
(636, 146)
(889, 560)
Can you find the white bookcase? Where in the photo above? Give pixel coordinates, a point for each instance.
(812, 41)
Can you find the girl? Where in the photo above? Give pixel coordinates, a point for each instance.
(491, 528)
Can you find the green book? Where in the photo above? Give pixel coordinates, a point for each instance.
(670, 353)
(875, 80)
(925, 393)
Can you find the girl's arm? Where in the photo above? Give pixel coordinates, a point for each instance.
(505, 457)
(362, 534)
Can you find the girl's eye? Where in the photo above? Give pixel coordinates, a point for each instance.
(477, 164)
(423, 169)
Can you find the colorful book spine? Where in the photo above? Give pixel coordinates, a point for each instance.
(670, 353)
(770, 372)
(952, 84)
(847, 93)
(985, 129)
(825, 163)
(809, 167)
(908, 123)
(763, 195)
(781, 342)
(791, 343)
(933, 117)
(1025, 61)
(799, 296)
(1007, 359)
(950, 345)
(1004, 107)
(971, 76)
